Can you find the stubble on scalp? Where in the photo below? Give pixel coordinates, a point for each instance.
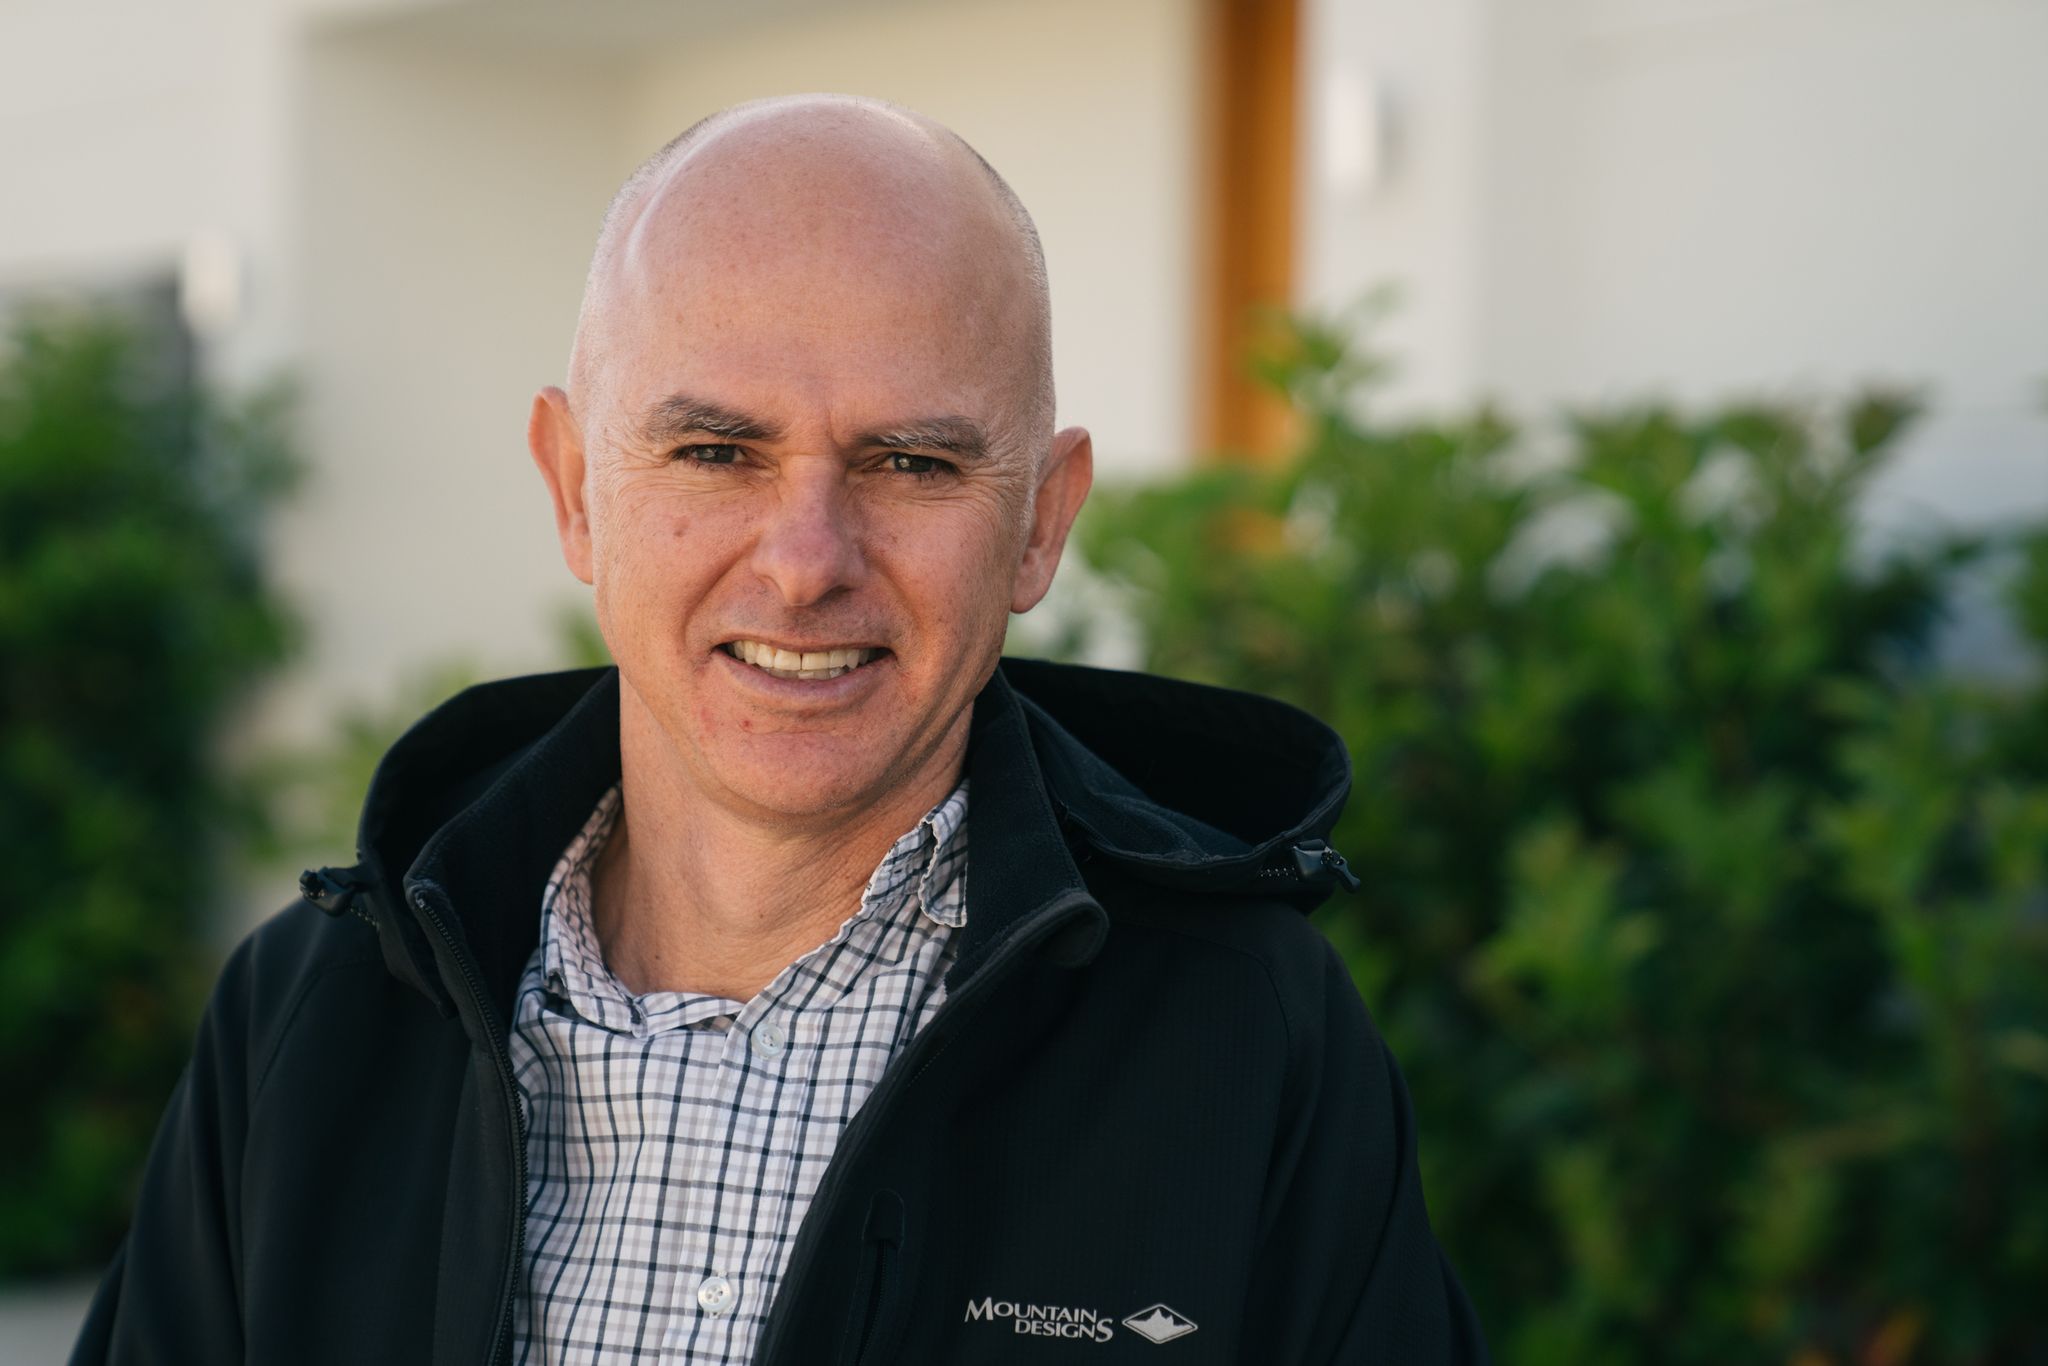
(1016, 252)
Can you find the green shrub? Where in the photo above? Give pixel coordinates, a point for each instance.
(132, 616)
(1709, 922)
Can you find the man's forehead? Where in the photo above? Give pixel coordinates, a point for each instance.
(821, 175)
(813, 244)
(818, 303)
(746, 236)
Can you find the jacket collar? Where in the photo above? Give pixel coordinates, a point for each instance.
(487, 843)
(469, 810)
(1021, 860)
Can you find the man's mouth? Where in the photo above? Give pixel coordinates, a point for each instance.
(806, 664)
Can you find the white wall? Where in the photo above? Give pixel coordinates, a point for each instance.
(1603, 199)
(132, 130)
(114, 120)
(1798, 194)
(1391, 177)
(445, 204)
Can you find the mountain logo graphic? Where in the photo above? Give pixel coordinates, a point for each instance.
(1160, 1324)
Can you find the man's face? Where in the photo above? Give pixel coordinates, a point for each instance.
(810, 505)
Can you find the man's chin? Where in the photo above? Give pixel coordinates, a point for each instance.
(819, 775)
(804, 788)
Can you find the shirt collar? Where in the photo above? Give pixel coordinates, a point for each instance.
(929, 859)
(572, 961)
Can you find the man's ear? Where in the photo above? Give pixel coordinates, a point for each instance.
(557, 445)
(1062, 487)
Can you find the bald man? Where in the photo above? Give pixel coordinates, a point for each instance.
(815, 986)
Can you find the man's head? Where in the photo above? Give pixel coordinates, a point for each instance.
(810, 408)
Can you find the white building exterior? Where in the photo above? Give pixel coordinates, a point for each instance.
(1580, 199)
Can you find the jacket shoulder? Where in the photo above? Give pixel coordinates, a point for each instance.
(1279, 952)
(276, 967)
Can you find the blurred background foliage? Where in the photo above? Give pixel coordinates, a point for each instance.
(1707, 913)
(315, 791)
(1707, 916)
(133, 617)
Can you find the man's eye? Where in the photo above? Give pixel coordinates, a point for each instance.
(902, 462)
(716, 453)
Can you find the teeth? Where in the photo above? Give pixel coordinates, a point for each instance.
(809, 664)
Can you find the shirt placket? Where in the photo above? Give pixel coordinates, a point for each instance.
(734, 1175)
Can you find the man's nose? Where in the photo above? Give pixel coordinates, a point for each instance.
(809, 546)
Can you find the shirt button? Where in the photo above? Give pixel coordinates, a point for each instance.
(769, 1038)
(716, 1294)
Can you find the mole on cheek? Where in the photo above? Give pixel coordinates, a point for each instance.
(746, 723)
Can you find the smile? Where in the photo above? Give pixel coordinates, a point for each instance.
(806, 664)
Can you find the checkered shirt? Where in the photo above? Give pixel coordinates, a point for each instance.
(674, 1140)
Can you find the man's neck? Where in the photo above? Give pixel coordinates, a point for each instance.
(690, 895)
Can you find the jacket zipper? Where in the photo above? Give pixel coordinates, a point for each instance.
(932, 1041)
(1313, 861)
(424, 903)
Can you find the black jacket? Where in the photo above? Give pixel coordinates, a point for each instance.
(1151, 1095)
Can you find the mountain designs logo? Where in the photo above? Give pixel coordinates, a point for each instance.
(1160, 1324)
(1156, 1323)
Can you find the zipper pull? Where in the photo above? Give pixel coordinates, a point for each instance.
(328, 888)
(1316, 861)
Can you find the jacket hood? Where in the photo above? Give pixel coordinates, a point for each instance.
(1196, 788)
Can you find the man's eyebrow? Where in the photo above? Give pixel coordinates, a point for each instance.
(958, 436)
(679, 415)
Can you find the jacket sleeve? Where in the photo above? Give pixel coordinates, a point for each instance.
(172, 1292)
(1348, 1269)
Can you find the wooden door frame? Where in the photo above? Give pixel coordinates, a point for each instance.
(1251, 104)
